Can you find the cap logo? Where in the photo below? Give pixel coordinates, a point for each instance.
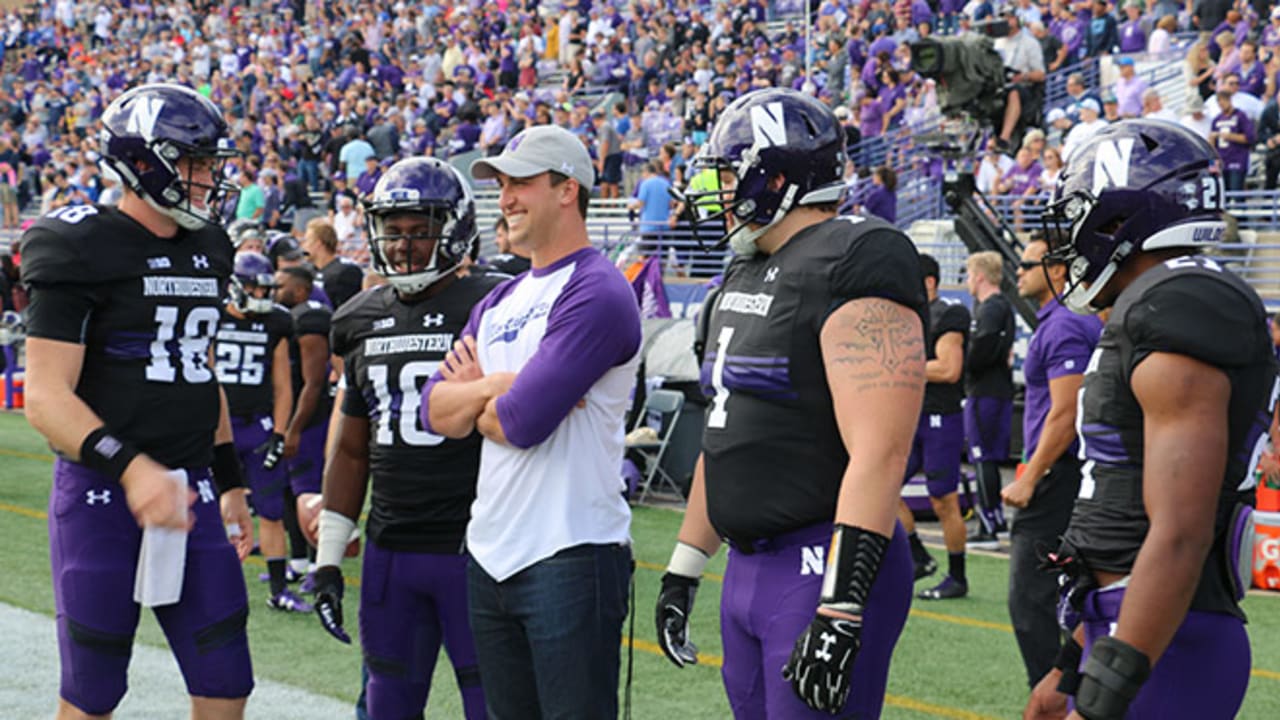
(515, 143)
(1111, 164)
(768, 125)
(566, 168)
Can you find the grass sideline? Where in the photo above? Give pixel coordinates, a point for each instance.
(955, 659)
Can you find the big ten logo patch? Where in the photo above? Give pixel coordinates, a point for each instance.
(813, 560)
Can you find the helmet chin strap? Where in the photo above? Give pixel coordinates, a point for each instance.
(743, 239)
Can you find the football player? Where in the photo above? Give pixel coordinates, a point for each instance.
(251, 359)
(1174, 411)
(304, 437)
(939, 440)
(421, 222)
(816, 369)
(988, 411)
(124, 304)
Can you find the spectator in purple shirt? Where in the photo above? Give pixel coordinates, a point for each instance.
(882, 201)
(1132, 37)
(1253, 75)
(1271, 33)
(1233, 136)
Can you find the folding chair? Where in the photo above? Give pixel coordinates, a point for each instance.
(668, 404)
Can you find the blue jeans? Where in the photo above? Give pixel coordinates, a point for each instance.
(548, 638)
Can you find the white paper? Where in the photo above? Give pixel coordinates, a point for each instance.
(162, 560)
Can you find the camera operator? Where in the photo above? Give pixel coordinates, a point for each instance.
(1023, 56)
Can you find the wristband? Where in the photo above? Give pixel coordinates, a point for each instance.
(1111, 678)
(105, 453)
(335, 533)
(852, 565)
(227, 473)
(1068, 661)
(687, 561)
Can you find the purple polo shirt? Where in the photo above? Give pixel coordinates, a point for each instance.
(1235, 156)
(1060, 346)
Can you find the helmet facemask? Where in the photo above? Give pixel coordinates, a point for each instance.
(244, 298)
(415, 248)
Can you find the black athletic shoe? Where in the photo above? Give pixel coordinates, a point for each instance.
(982, 540)
(948, 589)
(925, 566)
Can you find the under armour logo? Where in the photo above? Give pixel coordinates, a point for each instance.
(771, 274)
(200, 262)
(205, 488)
(824, 653)
(93, 498)
(566, 168)
(935, 421)
(435, 320)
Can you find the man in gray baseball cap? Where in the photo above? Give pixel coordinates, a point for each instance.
(539, 149)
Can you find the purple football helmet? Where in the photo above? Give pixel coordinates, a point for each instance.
(1137, 185)
(251, 271)
(145, 134)
(760, 136)
(434, 191)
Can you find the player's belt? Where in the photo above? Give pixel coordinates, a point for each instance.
(818, 533)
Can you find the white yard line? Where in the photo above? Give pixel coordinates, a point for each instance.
(29, 680)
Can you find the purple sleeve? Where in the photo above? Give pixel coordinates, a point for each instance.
(472, 323)
(1069, 350)
(593, 327)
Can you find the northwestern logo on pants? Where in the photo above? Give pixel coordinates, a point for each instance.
(812, 560)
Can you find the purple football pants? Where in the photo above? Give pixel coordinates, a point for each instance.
(307, 467)
(987, 423)
(936, 448)
(267, 486)
(1201, 676)
(409, 604)
(770, 597)
(93, 547)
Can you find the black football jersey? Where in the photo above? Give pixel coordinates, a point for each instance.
(773, 453)
(243, 351)
(1188, 306)
(987, 369)
(945, 317)
(310, 317)
(423, 484)
(340, 280)
(145, 308)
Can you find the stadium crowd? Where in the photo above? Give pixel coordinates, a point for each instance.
(314, 90)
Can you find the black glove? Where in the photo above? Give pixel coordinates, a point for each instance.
(675, 603)
(821, 663)
(275, 451)
(328, 580)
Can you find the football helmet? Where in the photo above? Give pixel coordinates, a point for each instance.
(432, 189)
(251, 271)
(761, 136)
(1135, 186)
(244, 229)
(145, 134)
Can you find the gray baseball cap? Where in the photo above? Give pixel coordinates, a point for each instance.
(539, 149)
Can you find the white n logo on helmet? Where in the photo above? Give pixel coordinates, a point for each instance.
(143, 115)
(1111, 164)
(768, 126)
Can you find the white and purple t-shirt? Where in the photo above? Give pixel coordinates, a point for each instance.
(571, 331)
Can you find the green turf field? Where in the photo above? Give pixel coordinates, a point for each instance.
(955, 659)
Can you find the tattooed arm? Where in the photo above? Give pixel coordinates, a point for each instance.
(873, 351)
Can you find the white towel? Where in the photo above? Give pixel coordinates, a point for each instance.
(162, 560)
